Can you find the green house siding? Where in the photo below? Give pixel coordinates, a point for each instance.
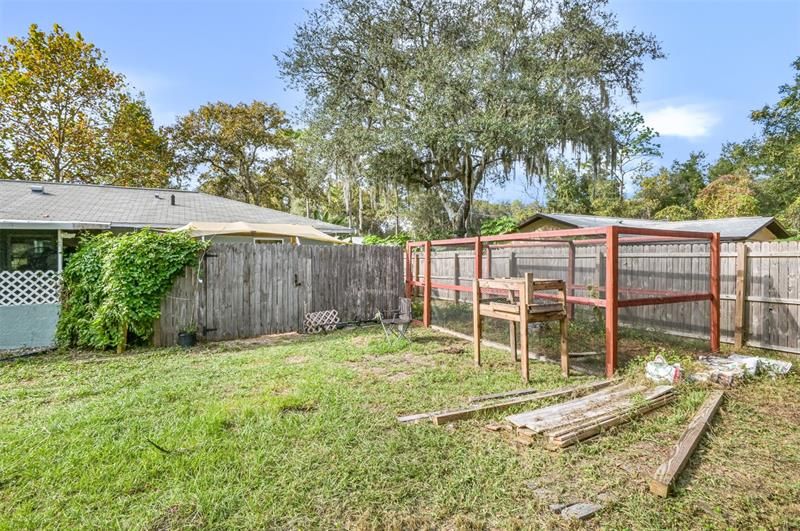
(28, 326)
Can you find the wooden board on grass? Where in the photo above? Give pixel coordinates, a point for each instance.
(664, 477)
(505, 394)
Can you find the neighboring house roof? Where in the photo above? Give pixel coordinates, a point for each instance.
(96, 206)
(728, 228)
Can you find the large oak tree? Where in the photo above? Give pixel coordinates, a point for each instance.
(239, 151)
(445, 94)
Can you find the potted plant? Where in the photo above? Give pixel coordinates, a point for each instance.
(187, 335)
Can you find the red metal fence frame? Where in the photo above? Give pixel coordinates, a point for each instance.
(609, 235)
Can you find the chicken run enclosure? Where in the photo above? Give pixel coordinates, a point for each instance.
(649, 276)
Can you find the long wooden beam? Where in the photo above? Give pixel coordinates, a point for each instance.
(664, 477)
(505, 394)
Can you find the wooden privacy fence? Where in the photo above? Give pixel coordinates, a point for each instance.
(760, 284)
(246, 290)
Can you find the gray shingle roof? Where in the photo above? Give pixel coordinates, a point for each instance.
(728, 228)
(134, 207)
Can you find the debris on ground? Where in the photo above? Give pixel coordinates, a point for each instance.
(660, 371)
(580, 511)
(452, 415)
(664, 477)
(567, 423)
(728, 371)
(767, 366)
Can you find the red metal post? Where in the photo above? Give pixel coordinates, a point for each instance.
(426, 289)
(612, 309)
(409, 279)
(715, 289)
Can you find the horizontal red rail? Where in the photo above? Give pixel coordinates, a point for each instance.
(680, 234)
(586, 301)
(652, 235)
(664, 297)
(642, 291)
(672, 299)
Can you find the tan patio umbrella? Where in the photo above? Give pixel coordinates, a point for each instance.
(256, 230)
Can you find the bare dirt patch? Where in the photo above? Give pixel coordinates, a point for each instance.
(360, 341)
(393, 367)
(453, 348)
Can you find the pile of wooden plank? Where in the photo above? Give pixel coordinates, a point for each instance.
(499, 402)
(569, 422)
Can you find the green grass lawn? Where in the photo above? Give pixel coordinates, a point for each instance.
(301, 433)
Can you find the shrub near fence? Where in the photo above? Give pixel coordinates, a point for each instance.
(246, 290)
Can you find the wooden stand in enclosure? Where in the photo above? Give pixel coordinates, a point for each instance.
(520, 312)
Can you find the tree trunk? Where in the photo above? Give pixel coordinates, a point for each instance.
(360, 211)
(471, 178)
(462, 215)
(347, 207)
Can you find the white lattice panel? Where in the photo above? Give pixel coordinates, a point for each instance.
(28, 287)
(316, 322)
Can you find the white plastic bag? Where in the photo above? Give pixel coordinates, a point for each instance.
(660, 371)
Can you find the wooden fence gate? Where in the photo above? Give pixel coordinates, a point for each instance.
(246, 290)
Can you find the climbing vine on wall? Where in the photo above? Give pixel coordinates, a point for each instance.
(113, 285)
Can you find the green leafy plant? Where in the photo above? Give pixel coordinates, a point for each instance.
(188, 328)
(674, 213)
(113, 285)
(395, 239)
(495, 226)
(728, 196)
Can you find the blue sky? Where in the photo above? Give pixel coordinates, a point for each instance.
(724, 58)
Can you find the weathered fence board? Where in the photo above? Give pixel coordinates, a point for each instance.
(771, 305)
(245, 290)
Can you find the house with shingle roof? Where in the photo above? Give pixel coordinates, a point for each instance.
(39, 221)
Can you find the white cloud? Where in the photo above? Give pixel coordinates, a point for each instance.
(688, 121)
